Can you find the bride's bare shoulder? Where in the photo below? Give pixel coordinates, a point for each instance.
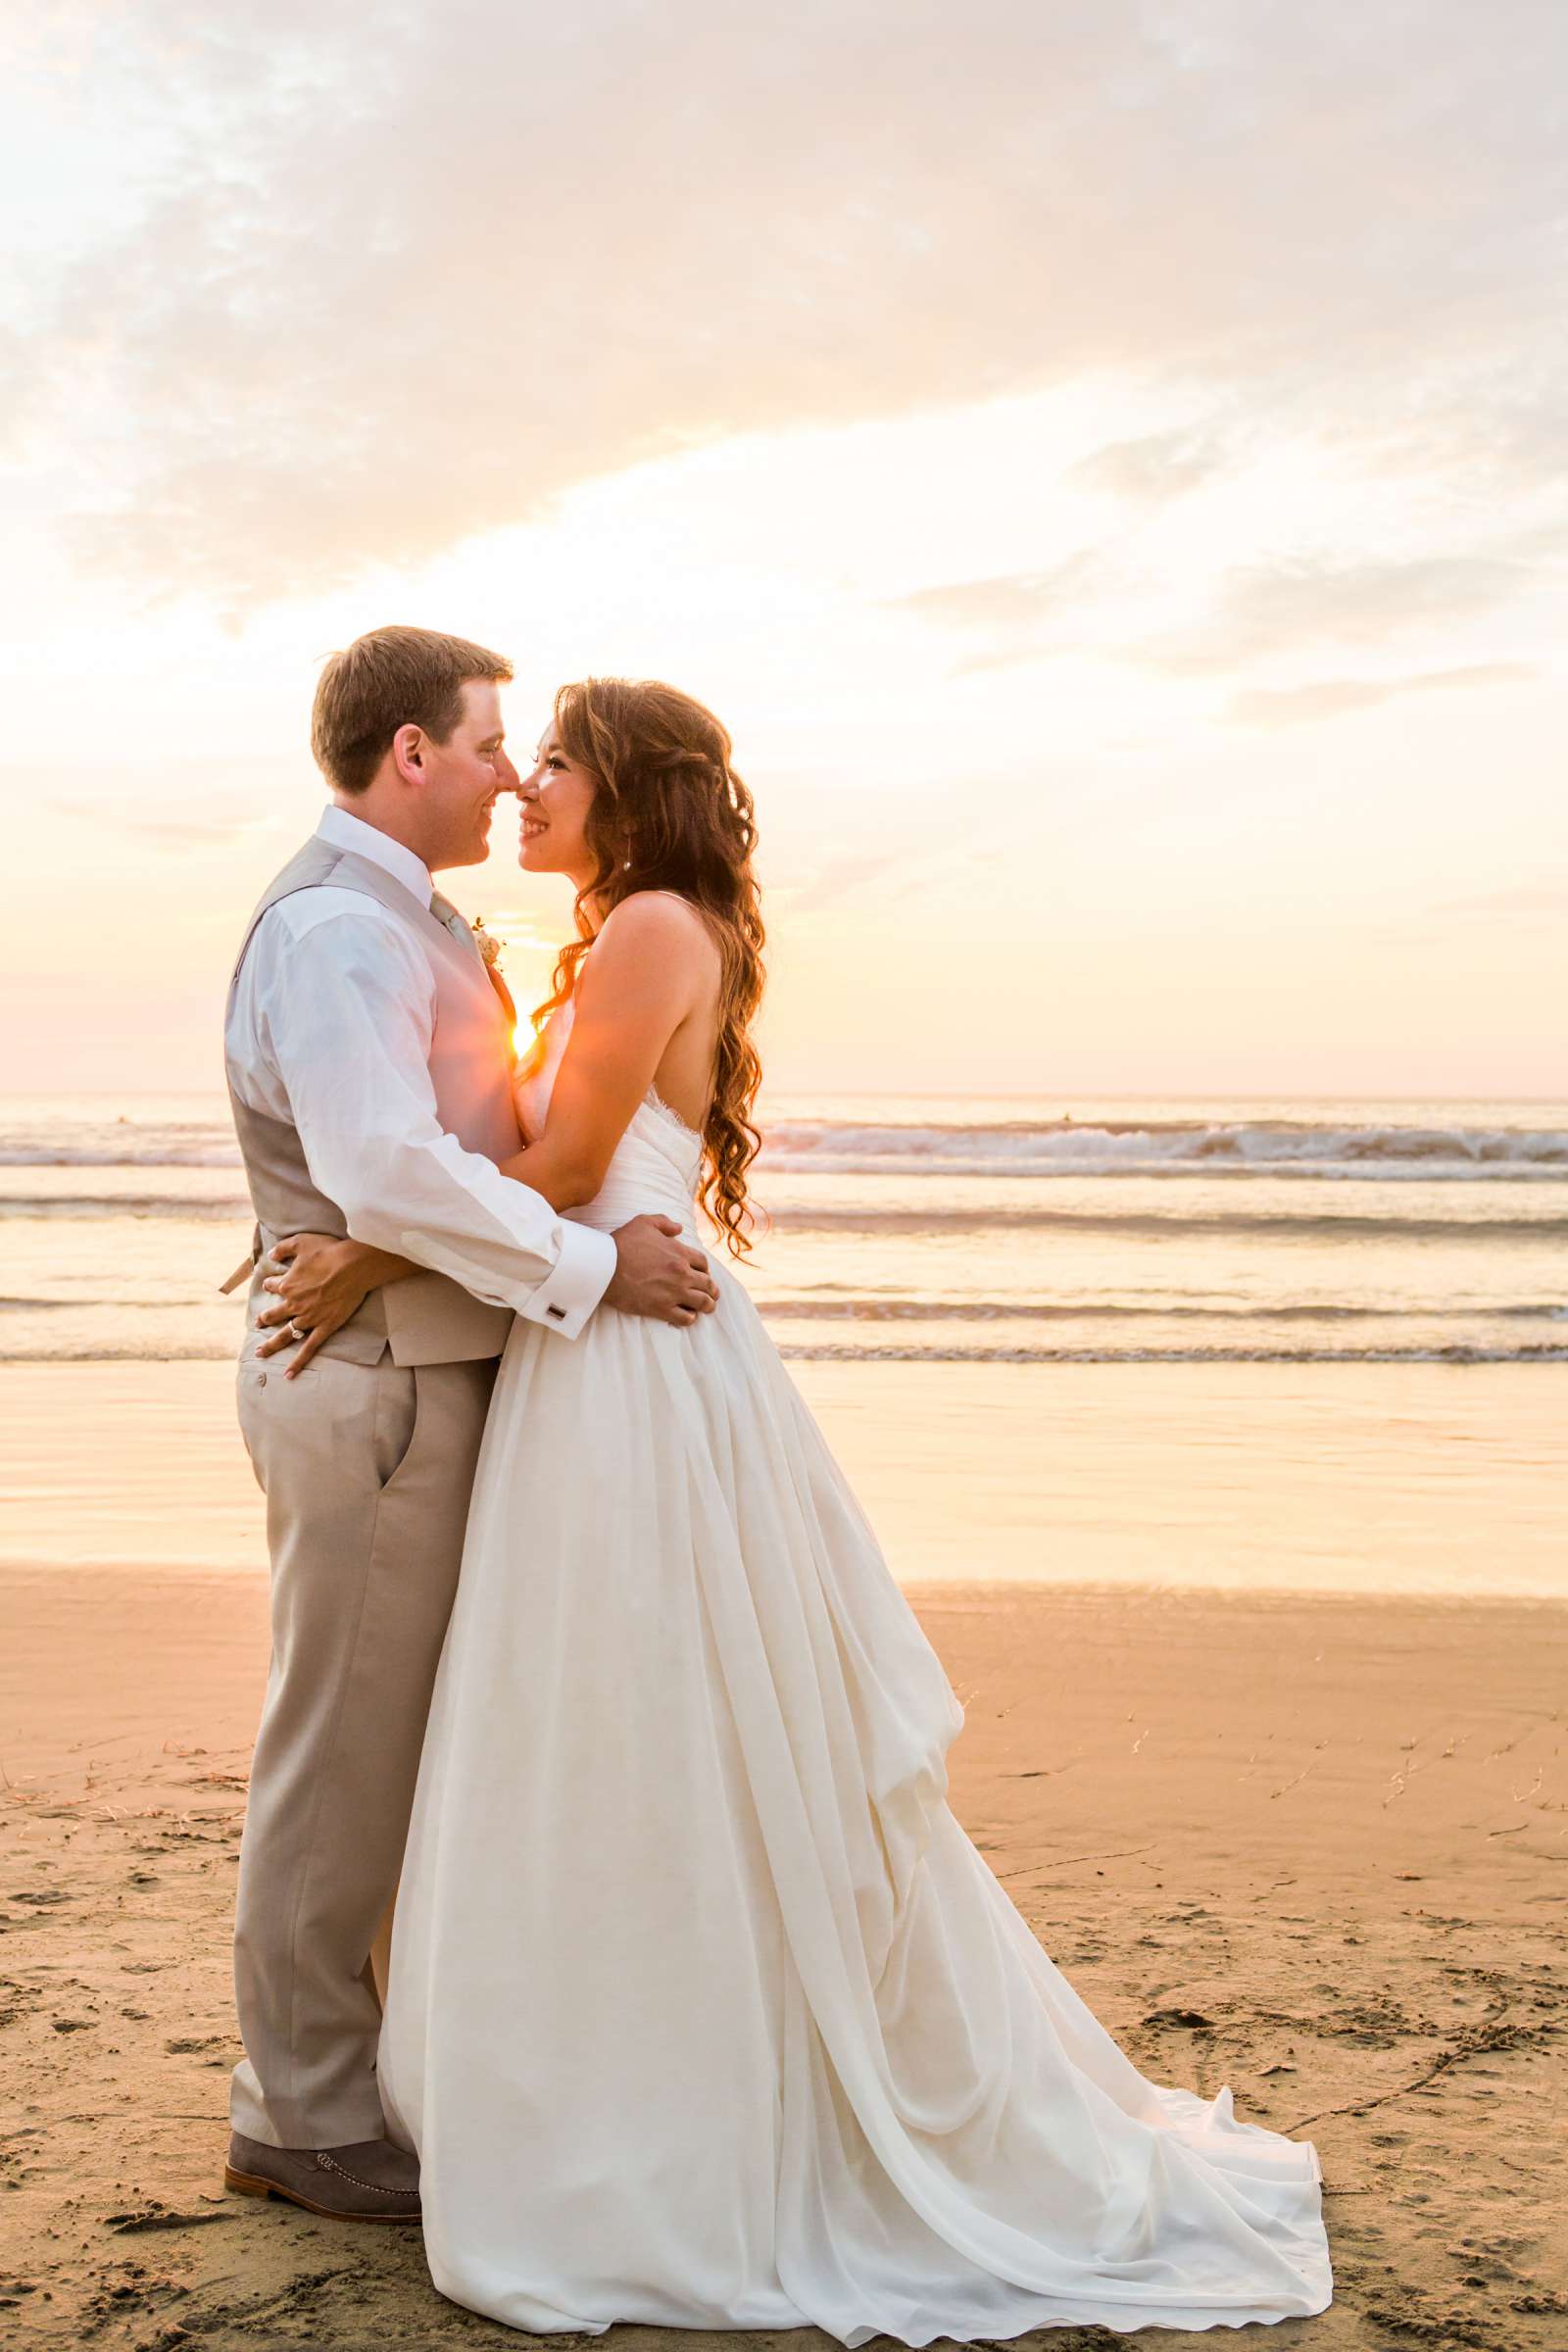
(658, 923)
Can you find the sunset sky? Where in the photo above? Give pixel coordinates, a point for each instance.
(1106, 464)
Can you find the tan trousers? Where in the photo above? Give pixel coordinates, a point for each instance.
(367, 1472)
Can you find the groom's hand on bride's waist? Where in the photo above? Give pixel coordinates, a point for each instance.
(658, 1273)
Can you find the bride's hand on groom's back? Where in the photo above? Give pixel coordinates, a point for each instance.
(659, 1274)
(317, 1283)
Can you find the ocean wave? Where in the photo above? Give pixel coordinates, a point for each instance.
(1020, 1147)
(127, 1204)
(831, 1218)
(875, 1310)
(1144, 1146)
(163, 1304)
(153, 1351)
(855, 1309)
(828, 1217)
(959, 1166)
(1457, 1353)
(44, 1156)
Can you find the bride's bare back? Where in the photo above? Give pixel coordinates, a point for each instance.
(684, 1076)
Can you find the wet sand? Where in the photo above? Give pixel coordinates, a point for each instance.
(1400, 1478)
(1315, 1847)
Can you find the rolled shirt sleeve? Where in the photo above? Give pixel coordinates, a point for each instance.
(347, 1018)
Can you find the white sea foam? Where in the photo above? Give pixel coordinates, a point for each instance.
(1020, 1147)
(1456, 1352)
(1142, 1148)
(1460, 1351)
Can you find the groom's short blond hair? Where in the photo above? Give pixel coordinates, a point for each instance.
(387, 679)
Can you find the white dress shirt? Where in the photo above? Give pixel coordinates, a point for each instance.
(331, 1027)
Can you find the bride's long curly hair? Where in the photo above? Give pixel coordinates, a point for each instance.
(669, 812)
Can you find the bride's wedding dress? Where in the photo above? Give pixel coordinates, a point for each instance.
(704, 2011)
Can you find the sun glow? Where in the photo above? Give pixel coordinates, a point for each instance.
(1115, 736)
(527, 1038)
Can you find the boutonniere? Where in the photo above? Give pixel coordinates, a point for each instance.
(487, 943)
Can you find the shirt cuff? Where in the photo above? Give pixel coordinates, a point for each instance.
(575, 1282)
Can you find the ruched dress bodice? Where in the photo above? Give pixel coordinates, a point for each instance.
(655, 1167)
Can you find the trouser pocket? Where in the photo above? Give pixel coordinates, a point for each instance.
(397, 1417)
(336, 1428)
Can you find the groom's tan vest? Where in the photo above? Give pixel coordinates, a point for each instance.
(425, 1319)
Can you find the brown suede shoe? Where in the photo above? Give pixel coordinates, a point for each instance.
(370, 2182)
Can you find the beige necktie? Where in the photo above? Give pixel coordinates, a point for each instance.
(445, 913)
(461, 929)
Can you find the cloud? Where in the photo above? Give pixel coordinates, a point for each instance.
(1153, 467)
(1525, 899)
(1294, 605)
(1258, 612)
(349, 289)
(1335, 698)
(814, 890)
(1355, 601)
(192, 827)
(1014, 606)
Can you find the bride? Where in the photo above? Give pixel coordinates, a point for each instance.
(703, 2011)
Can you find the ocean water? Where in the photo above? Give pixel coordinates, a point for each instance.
(925, 1228)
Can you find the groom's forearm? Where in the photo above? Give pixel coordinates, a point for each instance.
(453, 1212)
(373, 1142)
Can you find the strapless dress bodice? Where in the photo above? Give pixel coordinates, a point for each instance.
(656, 1165)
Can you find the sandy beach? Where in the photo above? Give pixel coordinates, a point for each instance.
(1311, 1846)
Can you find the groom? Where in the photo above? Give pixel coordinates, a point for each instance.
(368, 1069)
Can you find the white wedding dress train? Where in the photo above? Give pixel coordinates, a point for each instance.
(703, 2012)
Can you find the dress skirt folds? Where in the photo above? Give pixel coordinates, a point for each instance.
(703, 2010)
